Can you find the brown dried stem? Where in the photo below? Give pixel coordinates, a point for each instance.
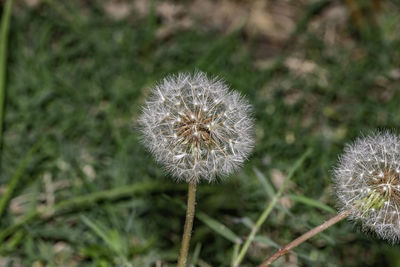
(304, 237)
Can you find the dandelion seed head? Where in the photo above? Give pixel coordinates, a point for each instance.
(368, 183)
(196, 127)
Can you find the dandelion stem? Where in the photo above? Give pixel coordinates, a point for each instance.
(282, 251)
(187, 232)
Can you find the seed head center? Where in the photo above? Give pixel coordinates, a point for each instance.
(194, 129)
(387, 184)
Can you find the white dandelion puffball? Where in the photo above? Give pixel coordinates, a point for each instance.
(368, 182)
(196, 127)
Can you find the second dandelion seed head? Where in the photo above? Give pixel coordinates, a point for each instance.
(368, 183)
(196, 127)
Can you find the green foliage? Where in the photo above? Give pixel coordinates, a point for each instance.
(79, 78)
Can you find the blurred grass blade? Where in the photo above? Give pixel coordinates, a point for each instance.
(196, 254)
(311, 202)
(96, 229)
(269, 208)
(12, 185)
(267, 241)
(13, 242)
(111, 237)
(246, 221)
(235, 253)
(210, 222)
(218, 227)
(113, 243)
(5, 25)
(269, 189)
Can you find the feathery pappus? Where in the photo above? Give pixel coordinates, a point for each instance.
(196, 127)
(367, 181)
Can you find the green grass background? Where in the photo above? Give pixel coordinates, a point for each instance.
(76, 81)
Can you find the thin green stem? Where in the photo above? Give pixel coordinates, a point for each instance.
(187, 232)
(235, 253)
(268, 210)
(81, 202)
(301, 239)
(5, 25)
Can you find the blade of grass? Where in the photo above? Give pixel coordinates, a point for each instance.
(235, 253)
(5, 25)
(81, 202)
(269, 208)
(196, 254)
(269, 189)
(266, 240)
(110, 237)
(219, 227)
(215, 225)
(12, 185)
(99, 231)
(13, 242)
(311, 202)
